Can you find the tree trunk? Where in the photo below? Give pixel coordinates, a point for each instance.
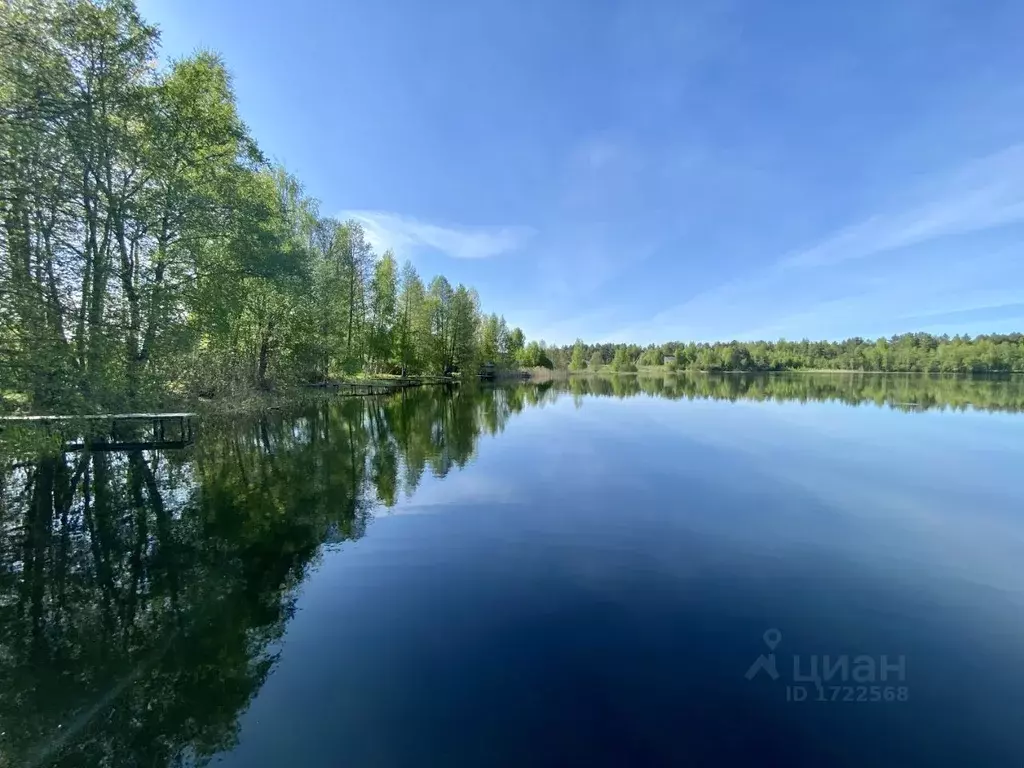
(264, 360)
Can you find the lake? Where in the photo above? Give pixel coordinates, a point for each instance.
(792, 570)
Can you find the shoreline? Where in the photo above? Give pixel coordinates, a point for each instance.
(252, 401)
(665, 372)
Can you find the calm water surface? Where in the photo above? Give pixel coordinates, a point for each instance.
(792, 571)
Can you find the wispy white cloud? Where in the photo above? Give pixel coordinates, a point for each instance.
(602, 177)
(984, 194)
(406, 235)
(596, 153)
(837, 287)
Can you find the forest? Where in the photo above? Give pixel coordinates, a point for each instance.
(905, 353)
(149, 251)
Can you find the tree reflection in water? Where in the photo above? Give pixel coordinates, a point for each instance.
(143, 593)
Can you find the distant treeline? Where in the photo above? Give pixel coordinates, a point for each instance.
(906, 393)
(149, 251)
(910, 352)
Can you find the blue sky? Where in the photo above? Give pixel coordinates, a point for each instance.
(652, 171)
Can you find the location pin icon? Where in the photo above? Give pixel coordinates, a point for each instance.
(772, 637)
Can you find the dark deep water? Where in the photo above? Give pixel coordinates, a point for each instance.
(578, 573)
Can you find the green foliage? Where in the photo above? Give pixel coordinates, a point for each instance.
(534, 356)
(383, 319)
(912, 393)
(621, 362)
(515, 344)
(491, 339)
(148, 252)
(651, 356)
(559, 359)
(907, 353)
(577, 362)
(413, 327)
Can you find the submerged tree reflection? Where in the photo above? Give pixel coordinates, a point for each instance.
(142, 592)
(908, 392)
